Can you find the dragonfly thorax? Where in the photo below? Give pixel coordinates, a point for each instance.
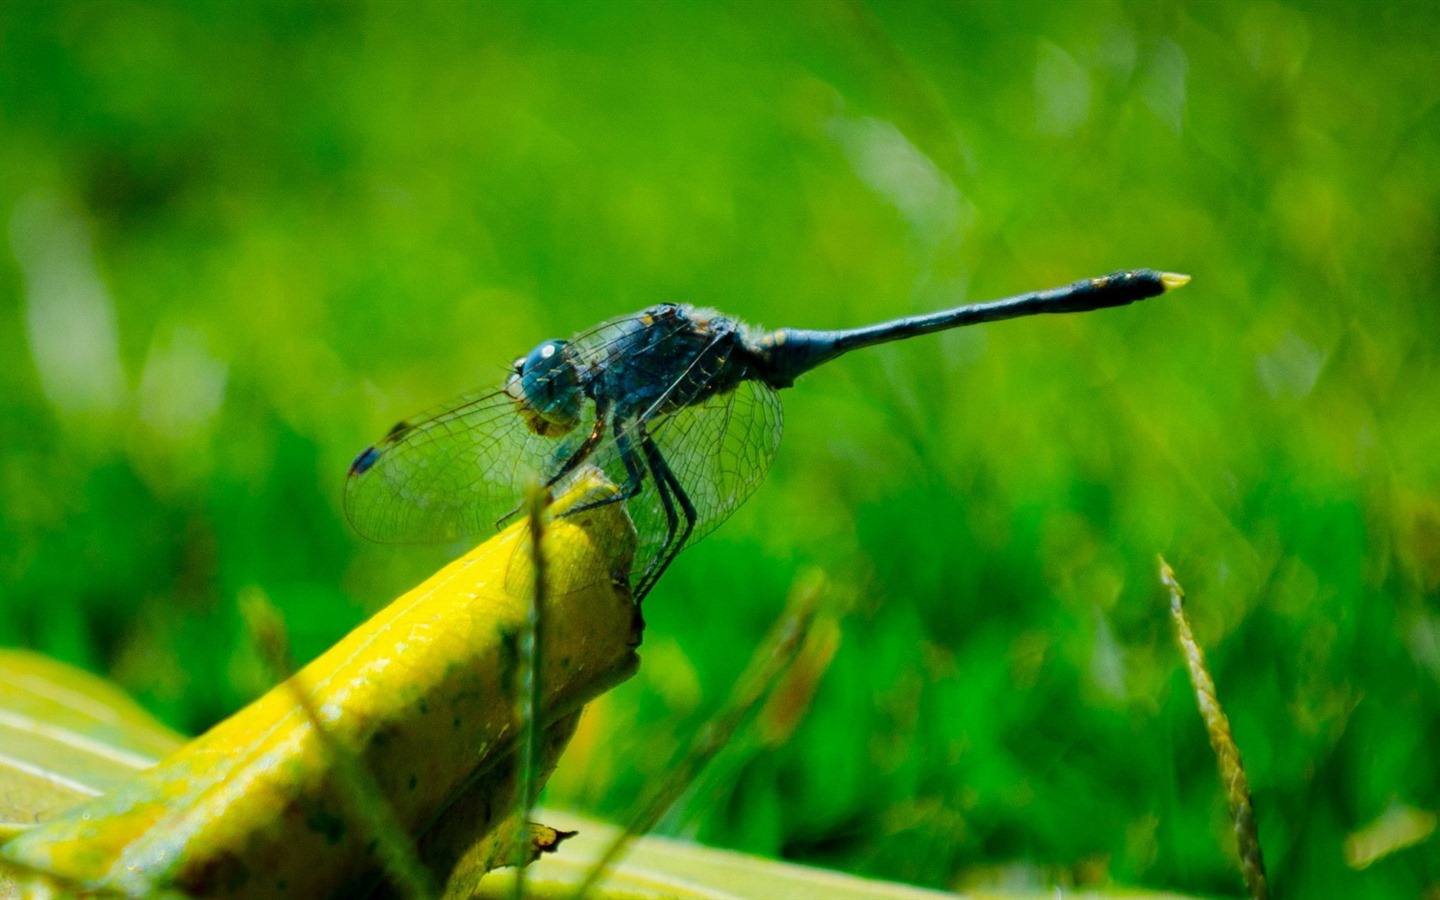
(667, 358)
(546, 389)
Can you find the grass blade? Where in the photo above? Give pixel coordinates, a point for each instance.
(528, 699)
(770, 660)
(1222, 741)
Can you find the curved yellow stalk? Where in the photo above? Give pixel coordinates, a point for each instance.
(422, 694)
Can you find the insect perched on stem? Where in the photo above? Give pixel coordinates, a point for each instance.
(676, 404)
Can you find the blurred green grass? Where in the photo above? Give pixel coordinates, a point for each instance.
(245, 238)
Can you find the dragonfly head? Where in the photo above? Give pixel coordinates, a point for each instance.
(546, 389)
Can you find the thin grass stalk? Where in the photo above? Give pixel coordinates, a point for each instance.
(528, 701)
(769, 661)
(1222, 741)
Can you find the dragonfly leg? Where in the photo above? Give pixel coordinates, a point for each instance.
(672, 522)
(581, 454)
(634, 474)
(668, 486)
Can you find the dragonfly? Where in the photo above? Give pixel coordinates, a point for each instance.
(677, 405)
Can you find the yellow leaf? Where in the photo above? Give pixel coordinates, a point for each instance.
(422, 694)
(66, 736)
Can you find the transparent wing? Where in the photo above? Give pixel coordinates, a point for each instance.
(461, 468)
(719, 450)
(454, 472)
(596, 345)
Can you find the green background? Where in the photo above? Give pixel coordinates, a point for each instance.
(243, 238)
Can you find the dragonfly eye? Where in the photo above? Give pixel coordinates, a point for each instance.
(546, 389)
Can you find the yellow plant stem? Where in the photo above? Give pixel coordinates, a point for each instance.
(422, 695)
